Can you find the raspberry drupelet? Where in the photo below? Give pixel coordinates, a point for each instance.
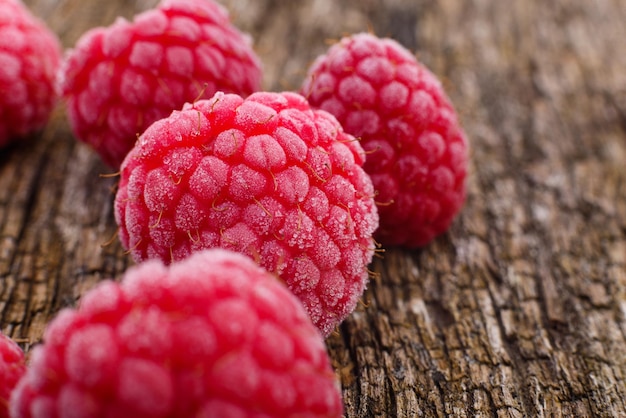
(266, 176)
(214, 335)
(30, 55)
(119, 79)
(417, 151)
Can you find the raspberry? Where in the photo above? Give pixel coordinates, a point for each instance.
(417, 152)
(214, 335)
(265, 176)
(12, 368)
(30, 54)
(120, 79)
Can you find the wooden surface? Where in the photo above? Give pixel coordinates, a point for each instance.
(520, 310)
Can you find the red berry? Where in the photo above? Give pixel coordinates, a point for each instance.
(120, 79)
(30, 54)
(212, 335)
(417, 152)
(12, 368)
(265, 176)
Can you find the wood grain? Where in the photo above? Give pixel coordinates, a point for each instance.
(519, 310)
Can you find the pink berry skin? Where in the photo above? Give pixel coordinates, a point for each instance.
(12, 368)
(214, 335)
(417, 151)
(119, 79)
(266, 176)
(30, 55)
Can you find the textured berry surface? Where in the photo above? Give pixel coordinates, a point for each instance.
(214, 335)
(12, 368)
(417, 152)
(30, 55)
(265, 176)
(118, 80)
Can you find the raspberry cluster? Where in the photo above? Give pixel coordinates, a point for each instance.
(251, 215)
(118, 80)
(265, 176)
(417, 151)
(12, 368)
(212, 336)
(30, 55)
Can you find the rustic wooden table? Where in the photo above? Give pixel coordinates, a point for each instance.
(519, 310)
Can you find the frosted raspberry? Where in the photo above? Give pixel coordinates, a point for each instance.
(265, 176)
(30, 55)
(417, 152)
(12, 368)
(210, 336)
(118, 80)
